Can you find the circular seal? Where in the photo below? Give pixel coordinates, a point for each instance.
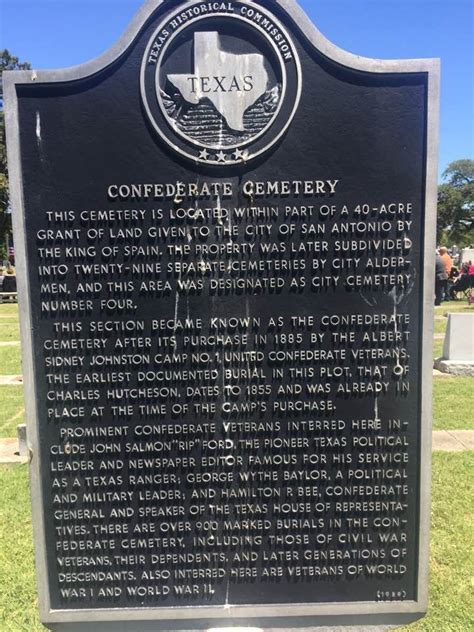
(220, 81)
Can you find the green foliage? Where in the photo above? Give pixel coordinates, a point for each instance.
(4, 216)
(456, 204)
(7, 62)
(10, 62)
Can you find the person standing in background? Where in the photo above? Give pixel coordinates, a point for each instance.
(448, 264)
(447, 261)
(9, 281)
(441, 279)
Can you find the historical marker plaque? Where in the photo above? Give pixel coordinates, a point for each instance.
(224, 229)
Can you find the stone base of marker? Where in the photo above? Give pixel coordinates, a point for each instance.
(21, 434)
(458, 351)
(453, 367)
(149, 627)
(358, 628)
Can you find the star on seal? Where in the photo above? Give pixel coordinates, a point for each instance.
(204, 154)
(240, 155)
(221, 157)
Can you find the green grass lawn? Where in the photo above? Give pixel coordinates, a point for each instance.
(8, 310)
(452, 569)
(452, 534)
(10, 357)
(9, 325)
(440, 326)
(12, 411)
(438, 348)
(453, 306)
(9, 330)
(453, 403)
(18, 610)
(10, 360)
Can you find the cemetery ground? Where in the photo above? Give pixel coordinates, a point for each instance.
(452, 567)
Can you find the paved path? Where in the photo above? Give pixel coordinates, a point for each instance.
(11, 380)
(453, 440)
(10, 343)
(8, 452)
(443, 441)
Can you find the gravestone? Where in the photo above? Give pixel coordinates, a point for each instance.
(458, 348)
(467, 254)
(224, 231)
(22, 442)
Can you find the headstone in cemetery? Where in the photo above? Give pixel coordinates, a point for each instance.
(467, 254)
(22, 441)
(225, 236)
(458, 349)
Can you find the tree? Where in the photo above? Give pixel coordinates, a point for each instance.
(456, 204)
(7, 62)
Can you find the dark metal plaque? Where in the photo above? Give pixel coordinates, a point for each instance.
(224, 231)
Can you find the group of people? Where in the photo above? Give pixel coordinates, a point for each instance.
(450, 280)
(7, 279)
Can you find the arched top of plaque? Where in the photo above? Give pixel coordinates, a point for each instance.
(221, 82)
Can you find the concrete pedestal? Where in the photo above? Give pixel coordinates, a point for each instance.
(458, 351)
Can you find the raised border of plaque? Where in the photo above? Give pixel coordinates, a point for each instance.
(269, 616)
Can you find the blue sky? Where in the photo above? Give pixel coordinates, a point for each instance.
(58, 33)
